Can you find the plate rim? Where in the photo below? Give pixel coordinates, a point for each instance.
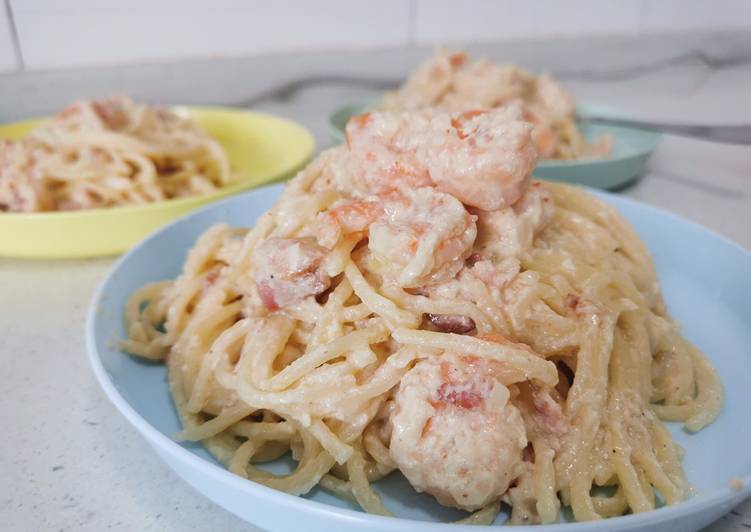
(696, 504)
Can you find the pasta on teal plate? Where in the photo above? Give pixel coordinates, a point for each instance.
(570, 150)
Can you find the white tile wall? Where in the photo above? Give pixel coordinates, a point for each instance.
(484, 20)
(696, 14)
(8, 59)
(99, 32)
(75, 33)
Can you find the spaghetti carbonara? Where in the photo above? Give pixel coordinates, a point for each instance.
(455, 82)
(415, 302)
(109, 153)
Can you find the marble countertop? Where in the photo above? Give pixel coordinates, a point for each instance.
(69, 461)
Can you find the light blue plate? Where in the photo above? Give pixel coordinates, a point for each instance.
(705, 279)
(631, 149)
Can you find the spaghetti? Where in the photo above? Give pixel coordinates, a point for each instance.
(455, 82)
(109, 153)
(504, 344)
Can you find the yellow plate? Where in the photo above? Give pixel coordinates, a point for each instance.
(261, 149)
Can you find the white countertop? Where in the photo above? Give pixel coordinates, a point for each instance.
(69, 461)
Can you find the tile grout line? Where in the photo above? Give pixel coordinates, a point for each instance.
(14, 36)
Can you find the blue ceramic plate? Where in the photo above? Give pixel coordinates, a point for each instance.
(706, 284)
(631, 149)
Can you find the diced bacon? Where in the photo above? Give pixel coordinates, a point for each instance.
(286, 271)
(473, 259)
(457, 59)
(266, 292)
(111, 113)
(549, 413)
(211, 277)
(280, 292)
(452, 323)
(572, 301)
(449, 394)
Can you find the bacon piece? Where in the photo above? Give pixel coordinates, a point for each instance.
(452, 323)
(473, 259)
(466, 399)
(111, 113)
(211, 276)
(266, 292)
(549, 413)
(457, 59)
(572, 301)
(286, 271)
(279, 292)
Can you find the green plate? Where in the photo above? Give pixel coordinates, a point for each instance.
(631, 149)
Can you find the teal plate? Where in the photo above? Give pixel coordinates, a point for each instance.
(706, 285)
(631, 149)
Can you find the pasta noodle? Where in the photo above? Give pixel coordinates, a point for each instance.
(109, 153)
(457, 83)
(524, 358)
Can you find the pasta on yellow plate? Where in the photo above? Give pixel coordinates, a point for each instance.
(455, 82)
(109, 153)
(415, 302)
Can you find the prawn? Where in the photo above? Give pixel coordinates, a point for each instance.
(553, 98)
(455, 433)
(484, 158)
(417, 236)
(429, 84)
(543, 135)
(510, 232)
